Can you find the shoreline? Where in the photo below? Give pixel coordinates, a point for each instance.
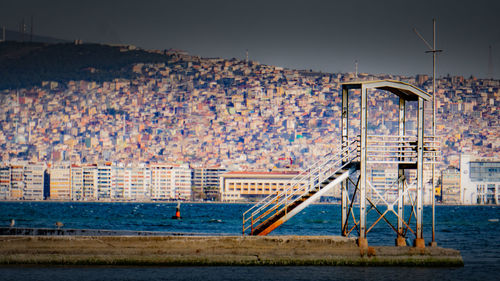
(211, 202)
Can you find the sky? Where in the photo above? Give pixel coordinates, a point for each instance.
(328, 36)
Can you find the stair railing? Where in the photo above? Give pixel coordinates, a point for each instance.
(301, 184)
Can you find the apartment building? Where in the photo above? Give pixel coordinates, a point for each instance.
(60, 181)
(205, 182)
(105, 182)
(170, 181)
(4, 182)
(33, 181)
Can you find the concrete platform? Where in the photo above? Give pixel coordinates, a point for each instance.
(213, 250)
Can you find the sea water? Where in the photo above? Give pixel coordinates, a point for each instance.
(474, 230)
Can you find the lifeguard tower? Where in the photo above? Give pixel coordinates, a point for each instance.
(347, 169)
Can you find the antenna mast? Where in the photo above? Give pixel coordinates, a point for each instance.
(433, 50)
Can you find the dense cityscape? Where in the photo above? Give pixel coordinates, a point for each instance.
(227, 115)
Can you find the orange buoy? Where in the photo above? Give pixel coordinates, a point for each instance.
(177, 212)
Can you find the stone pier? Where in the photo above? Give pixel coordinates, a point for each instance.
(214, 250)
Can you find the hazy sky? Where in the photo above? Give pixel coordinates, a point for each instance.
(320, 35)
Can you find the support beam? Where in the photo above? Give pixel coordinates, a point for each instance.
(363, 243)
(400, 240)
(344, 194)
(344, 144)
(419, 241)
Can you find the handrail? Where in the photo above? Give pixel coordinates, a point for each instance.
(316, 180)
(381, 149)
(302, 173)
(400, 149)
(300, 184)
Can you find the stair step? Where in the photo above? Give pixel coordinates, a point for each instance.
(273, 218)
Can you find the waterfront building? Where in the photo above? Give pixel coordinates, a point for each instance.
(170, 181)
(4, 182)
(33, 181)
(138, 183)
(60, 181)
(479, 180)
(16, 181)
(385, 181)
(251, 186)
(89, 182)
(76, 173)
(122, 177)
(105, 181)
(205, 182)
(450, 186)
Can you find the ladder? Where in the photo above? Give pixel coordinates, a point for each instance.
(304, 189)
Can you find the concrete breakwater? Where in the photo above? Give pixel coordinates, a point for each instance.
(213, 250)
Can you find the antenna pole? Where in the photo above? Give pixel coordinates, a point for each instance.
(432, 49)
(433, 197)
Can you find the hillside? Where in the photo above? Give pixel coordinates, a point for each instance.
(25, 65)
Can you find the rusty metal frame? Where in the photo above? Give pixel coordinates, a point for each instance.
(409, 155)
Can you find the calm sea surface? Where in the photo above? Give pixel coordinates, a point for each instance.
(474, 230)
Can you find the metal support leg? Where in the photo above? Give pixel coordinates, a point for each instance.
(344, 194)
(401, 241)
(419, 241)
(362, 241)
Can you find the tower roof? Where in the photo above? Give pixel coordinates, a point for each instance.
(404, 90)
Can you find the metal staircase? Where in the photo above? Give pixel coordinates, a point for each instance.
(304, 189)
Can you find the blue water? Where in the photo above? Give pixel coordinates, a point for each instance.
(471, 229)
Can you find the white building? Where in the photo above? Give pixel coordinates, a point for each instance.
(4, 182)
(132, 183)
(89, 173)
(479, 180)
(76, 173)
(105, 182)
(33, 181)
(170, 181)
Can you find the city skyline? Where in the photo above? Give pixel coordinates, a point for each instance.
(328, 37)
